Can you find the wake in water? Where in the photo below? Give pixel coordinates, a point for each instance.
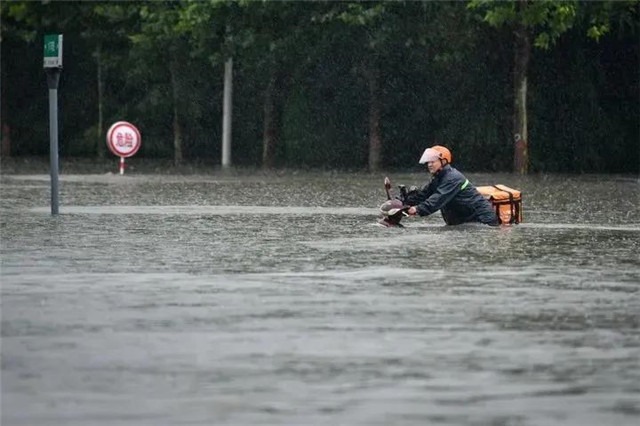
(284, 211)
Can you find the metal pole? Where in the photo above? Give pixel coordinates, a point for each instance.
(53, 76)
(226, 113)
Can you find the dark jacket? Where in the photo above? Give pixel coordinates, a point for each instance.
(458, 201)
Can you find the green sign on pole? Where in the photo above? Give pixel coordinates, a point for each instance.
(53, 51)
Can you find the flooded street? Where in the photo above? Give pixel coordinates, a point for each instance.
(273, 299)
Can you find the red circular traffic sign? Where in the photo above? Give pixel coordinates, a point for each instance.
(123, 139)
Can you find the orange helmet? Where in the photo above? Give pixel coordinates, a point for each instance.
(434, 153)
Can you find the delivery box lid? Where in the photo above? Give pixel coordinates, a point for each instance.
(499, 193)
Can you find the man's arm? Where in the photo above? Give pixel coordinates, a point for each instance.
(440, 196)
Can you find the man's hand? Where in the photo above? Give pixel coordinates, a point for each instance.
(412, 211)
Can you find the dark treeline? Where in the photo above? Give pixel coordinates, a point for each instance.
(508, 86)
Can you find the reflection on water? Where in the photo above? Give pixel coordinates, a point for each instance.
(204, 299)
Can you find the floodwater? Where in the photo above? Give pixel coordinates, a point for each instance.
(272, 299)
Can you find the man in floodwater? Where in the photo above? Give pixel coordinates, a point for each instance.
(450, 192)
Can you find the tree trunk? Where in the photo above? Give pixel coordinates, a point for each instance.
(5, 146)
(375, 144)
(270, 130)
(275, 97)
(100, 141)
(177, 125)
(227, 108)
(520, 131)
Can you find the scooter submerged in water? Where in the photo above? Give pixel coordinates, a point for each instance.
(393, 210)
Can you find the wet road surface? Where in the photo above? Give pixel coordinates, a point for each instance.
(248, 299)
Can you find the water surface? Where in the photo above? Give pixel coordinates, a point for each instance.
(257, 298)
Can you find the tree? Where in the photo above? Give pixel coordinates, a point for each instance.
(23, 26)
(540, 23)
(210, 31)
(105, 26)
(272, 33)
(161, 35)
(368, 23)
(284, 29)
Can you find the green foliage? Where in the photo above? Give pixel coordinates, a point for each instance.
(548, 19)
(444, 67)
(580, 123)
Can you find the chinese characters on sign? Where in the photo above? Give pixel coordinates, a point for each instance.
(124, 140)
(53, 51)
(50, 48)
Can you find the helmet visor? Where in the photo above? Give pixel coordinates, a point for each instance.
(429, 155)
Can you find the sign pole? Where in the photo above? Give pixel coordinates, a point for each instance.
(53, 77)
(121, 166)
(53, 68)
